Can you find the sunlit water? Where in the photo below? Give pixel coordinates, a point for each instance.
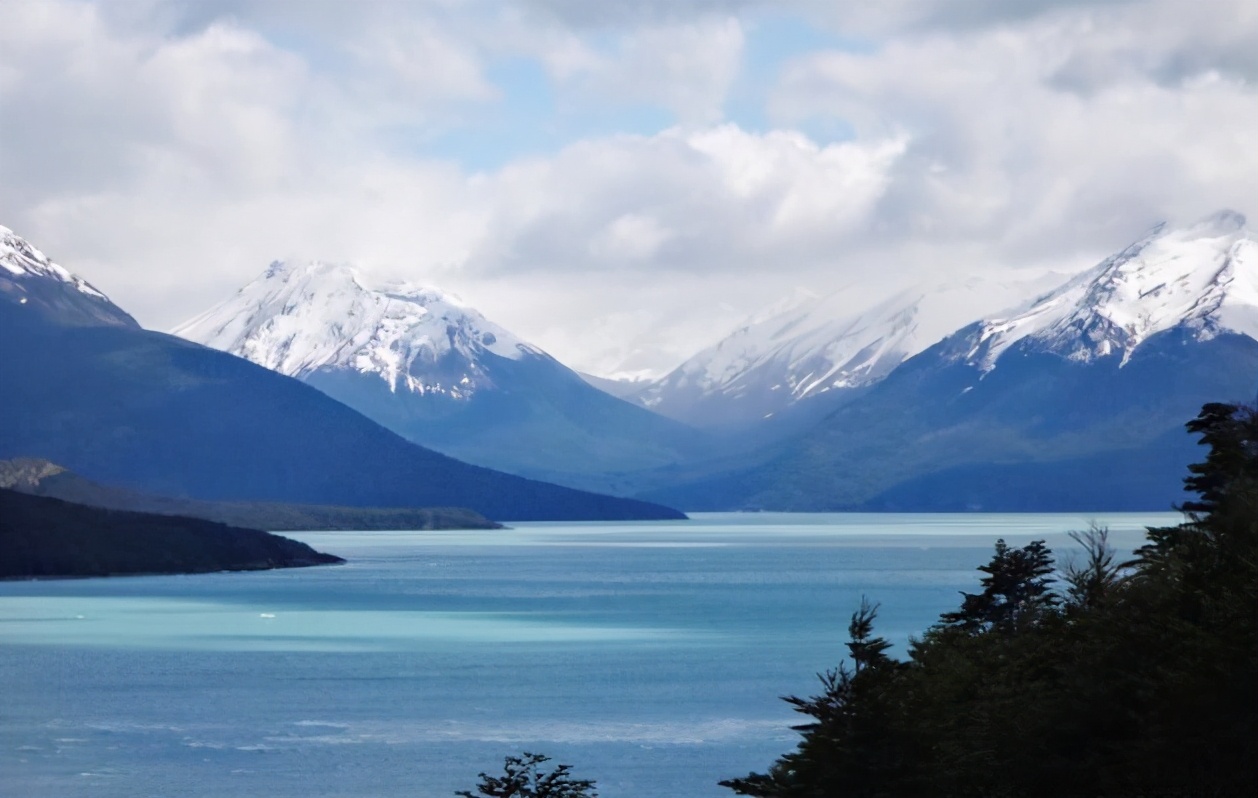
(649, 656)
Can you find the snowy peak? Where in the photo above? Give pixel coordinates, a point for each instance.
(1203, 277)
(21, 259)
(29, 278)
(810, 345)
(298, 318)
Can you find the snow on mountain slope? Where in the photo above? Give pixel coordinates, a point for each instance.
(1203, 277)
(298, 318)
(29, 278)
(21, 259)
(808, 345)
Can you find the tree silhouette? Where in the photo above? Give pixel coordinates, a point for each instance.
(1127, 678)
(523, 778)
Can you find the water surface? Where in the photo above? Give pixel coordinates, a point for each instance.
(648, 655)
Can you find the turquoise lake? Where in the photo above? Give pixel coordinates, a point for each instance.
(650, 656)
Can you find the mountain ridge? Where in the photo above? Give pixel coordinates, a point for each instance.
(1204, 276)
(89, 389)
(298, 318)
(1081, 401)
(809, 348)
(437, 372)
(30, 281)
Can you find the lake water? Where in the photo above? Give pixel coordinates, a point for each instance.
(650, 656)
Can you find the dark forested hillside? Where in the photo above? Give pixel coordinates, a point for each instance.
(42, 537)
(1109, 678)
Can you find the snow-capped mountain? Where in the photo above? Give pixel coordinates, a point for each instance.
(1202, 278)
(1075, 401)
(299, 318)
(30, 281)
(437, 372)
(806, 346)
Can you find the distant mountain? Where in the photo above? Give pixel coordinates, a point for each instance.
(84, 387)
(1074, 402)
(42, 537)
(437, 372)
(619, 388)
(810, 348)
(43, 478)
(1202, 280)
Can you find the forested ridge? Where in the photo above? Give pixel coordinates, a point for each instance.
(42, 537)
(1097, 677)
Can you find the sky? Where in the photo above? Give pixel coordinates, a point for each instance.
(620, 182)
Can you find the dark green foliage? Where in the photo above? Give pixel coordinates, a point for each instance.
(1232, 435)
(848, 747)
(42, 537)
(1122, 679)
(1015, 593)
(523, 778)
(1092, 582)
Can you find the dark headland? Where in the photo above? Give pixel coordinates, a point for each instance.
(42, 537)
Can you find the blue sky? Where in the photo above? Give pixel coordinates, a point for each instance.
(618, 182)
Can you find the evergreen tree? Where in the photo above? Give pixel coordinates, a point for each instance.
(1016, 591)
(523, 778)
(848, 748)
(1138, 678)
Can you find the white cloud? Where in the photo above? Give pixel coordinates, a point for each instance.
(686, 67)
(427, 61)
(1007, 150)
(168, 151)
(717, 200)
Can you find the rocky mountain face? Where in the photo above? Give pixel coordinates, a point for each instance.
(437, 372)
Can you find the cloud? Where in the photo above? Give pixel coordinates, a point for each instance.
(718, 200)
(687, 68)
(1049, 134)
(169, 150)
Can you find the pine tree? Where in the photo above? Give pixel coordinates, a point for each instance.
(1016, 591)
(523, 778)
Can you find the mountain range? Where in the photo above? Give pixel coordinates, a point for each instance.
(87, 388)
(1043, 392)
(810, 351)
(1074, 400)
(437, 372)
